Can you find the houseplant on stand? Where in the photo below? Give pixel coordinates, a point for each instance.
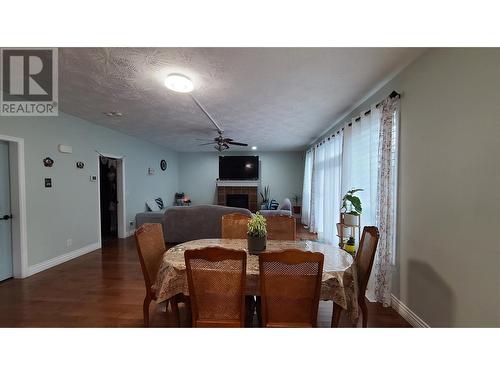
(351, 207)
(349, 218)
(257, 233)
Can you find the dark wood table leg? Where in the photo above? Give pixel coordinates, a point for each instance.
(174, 304)
(259, 311)
(187, 305)
(250, 308)
(337, 310)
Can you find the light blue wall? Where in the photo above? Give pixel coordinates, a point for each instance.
(282, 171)
(447, 272)
(70, 209)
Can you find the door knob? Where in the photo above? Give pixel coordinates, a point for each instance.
(6, 217)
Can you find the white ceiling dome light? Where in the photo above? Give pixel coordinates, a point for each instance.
(179, 83)
(254, 147)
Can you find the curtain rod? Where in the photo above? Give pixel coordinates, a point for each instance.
(392, 95)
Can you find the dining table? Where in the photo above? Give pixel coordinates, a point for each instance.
(339, 279)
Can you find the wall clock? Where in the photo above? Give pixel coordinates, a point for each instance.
(163, 164)
(48, 162)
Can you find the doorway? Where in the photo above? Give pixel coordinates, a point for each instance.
(112, 208)
(6, 264)
(108, 188)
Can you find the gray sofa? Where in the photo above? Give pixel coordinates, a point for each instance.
(285, 209)
(181, 224)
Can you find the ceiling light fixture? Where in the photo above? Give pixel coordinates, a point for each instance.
(179, 83)
(254, 147)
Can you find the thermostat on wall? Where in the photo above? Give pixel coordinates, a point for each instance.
(93, 178)
(65, 149)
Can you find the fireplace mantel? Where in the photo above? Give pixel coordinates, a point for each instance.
(238, 183)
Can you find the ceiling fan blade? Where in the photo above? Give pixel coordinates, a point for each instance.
(238, 143)
(205, 139)
(206, 144)
(227, 140)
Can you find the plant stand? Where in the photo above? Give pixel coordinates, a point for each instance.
(346, 228)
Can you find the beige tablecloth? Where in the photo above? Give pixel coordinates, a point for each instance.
(339, 276)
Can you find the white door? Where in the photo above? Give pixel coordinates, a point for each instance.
(5, 222)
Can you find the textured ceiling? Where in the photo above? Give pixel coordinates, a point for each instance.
(273, 98)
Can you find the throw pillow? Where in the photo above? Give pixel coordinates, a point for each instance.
(152, 205)
(159, 202)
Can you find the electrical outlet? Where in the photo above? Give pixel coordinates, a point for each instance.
(69, 242)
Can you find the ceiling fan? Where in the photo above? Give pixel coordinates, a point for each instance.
(220, 142)
(181, 83)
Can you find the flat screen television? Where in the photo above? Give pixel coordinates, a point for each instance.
(238, 167)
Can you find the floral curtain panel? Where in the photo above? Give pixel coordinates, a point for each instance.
(386, 194)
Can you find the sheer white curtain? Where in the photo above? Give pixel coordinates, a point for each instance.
(360, 162)
(360, 169)
(326, 188)
(306, 190)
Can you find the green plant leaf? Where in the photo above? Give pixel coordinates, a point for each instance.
(257, 226)
(356, 202)
(354, 191)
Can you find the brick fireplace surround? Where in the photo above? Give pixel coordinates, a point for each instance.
(251, 191)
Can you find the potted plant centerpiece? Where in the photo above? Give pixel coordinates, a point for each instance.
(351, 207)
(257, 233)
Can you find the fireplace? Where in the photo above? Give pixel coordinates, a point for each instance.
(237, 194)
(237, 200)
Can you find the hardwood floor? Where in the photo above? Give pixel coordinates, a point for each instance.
(105, 288)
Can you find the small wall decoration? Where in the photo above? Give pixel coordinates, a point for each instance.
(163, 164)
(48, 182)
(80, 164)
(48, 162)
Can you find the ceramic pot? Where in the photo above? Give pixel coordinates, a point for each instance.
(350, 219)
(256, 244)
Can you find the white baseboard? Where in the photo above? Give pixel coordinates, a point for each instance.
(130, 232)
(62, 258)
(407, 313)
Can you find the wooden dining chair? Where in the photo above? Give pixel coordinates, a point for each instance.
(216, 281)
(151, 247)
(290, 286)
(234, 226)
(280, 228)
(363, 262)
